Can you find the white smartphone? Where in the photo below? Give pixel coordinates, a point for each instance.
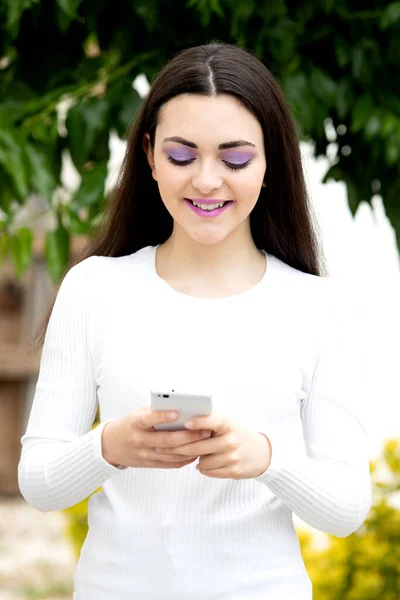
(186, 404)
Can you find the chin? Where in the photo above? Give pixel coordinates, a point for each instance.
(208, 239)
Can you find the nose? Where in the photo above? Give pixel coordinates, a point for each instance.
(207, 179)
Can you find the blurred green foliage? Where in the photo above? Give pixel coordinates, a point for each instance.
(77, 526)
(366, 564)
(333, 59)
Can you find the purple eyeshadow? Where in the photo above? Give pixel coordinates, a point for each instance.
(180, 154)
(237, 158)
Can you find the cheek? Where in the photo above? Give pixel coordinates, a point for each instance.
(171, 181)
(247, 187)
(174, 173)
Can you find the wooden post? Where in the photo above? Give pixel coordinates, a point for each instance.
(11, 412)
(22, 305)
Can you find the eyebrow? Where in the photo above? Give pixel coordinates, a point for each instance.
(224, 146)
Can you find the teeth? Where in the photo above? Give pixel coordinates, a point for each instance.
(209, 206)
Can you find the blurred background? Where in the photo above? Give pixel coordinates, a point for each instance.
(72, 77)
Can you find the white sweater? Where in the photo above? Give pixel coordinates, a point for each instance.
(282, 358)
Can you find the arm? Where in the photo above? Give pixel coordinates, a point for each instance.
(61, 461)
(329, 486)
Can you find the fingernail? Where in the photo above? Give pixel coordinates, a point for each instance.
(205, 434)
(172, 415)
(189, 424)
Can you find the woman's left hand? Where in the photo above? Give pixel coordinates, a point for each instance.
(232, 451)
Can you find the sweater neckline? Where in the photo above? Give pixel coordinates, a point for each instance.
(242, 296)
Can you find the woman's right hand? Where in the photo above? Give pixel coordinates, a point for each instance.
(130, 441)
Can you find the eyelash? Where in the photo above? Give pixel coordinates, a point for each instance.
(231, 166)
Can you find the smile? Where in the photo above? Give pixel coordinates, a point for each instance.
(206, 212)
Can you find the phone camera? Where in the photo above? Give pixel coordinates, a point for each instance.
(165, 395)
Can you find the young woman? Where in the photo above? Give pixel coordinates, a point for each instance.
(180, 291)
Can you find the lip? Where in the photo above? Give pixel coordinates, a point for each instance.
(208, 213)
(208, 201)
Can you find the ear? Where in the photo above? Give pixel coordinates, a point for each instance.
(149, 153)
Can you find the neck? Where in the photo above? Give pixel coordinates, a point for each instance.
(210, 267)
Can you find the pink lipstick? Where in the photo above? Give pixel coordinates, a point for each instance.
(208, 213)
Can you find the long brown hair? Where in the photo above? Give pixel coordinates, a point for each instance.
(282, 221)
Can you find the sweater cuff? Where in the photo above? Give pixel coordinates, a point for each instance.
(279, 459)
(97, 450)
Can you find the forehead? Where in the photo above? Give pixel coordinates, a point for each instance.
(208, 119)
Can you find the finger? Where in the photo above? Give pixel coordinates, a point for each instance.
(218, 461)
(173, 439)
(199, 448)
(224, 473)
(161, 464)
(146, 420)
(218, 424)
(175, 458)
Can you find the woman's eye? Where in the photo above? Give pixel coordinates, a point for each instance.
(180, 163)
(236, 166)
(231, 166)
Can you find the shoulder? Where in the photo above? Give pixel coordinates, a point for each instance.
(324, 301)
(80, 274)
(107, 265)
(107, 278)
(303, 289)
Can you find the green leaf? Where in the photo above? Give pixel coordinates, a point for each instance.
(14, 160)
(361, 61)
(91, 189)
(130, 106)
(373, 126)
(389, 125)
(328, 5)
(14, 109)
(323, 86)
(342, 52)
(343, 98)
(124, 102)
(69, 7)
(77, 226)
(43, 179)
(392, 154)
(16, 9)
(6, 192)
(19, 90)
(273, 9)
(48, 99)
(57, 251)
(335, 172)
(302, 101)
(282, 41)
(148, 12)
(11, 111)
(21, 250)
(45, 131)
(4, 246)
(362, 112)
(392, 210)
(85, 122)
(353, 196)
(206, 8)
(391, 15)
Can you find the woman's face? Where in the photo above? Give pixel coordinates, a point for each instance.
(208, 147)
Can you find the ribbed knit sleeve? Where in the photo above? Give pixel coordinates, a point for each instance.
(329, 486)
(61, 461)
